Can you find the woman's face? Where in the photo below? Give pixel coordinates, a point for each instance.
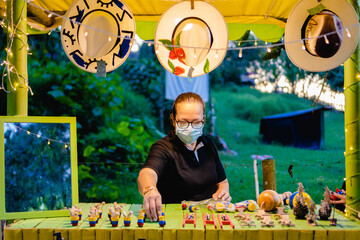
(189, 111)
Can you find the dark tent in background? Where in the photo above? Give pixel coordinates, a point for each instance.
(303, 128)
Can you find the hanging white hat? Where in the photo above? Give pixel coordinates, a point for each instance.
(191, 42)
(330, 33)
(94, 31)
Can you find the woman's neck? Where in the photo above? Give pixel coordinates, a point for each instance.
(192, 145)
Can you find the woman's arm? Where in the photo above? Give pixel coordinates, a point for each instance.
(147, 187)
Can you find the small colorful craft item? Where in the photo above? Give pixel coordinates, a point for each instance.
(269, 200)
(127, 218)
(225, 220)
(247, 221)
(209, 219)
(249, 205)
(267, 222)
(219, 207)
(162, 220)
(291, 201)
(74, 215)
(141, 218)
(74, 220)
(193, 208)
(184, 205)
(190, 219)
(114, 217)
(92, 221)
(93, 216)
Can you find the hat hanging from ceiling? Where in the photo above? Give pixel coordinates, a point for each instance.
(191, 40)
(330, 33)
(105, 33)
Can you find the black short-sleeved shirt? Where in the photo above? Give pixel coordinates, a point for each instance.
(180, 175)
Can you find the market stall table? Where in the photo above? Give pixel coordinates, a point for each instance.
(44, 228)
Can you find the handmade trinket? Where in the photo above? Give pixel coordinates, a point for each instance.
(300, 209)
(249, 205)
(269, 200)
(190, 219)
(267, 222)
(285, 220)
(225, 220)
(127, 218)
(325, 207)
(311, 217)
(247, 221)
(162, 220)
(209, 219)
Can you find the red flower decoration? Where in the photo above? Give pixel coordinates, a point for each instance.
(179, 70)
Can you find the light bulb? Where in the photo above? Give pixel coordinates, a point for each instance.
(240, 53)
(303, 47)
(268, 50)
(348, 32)
(326, 39)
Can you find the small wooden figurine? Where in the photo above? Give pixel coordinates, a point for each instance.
(141, 218)
(209, 219)
(311, 217)
(260, 213)
(269, 200)
(190, 219)
(127, 218)
(301, 209)
(267, 222)
(285, 220)
(325, 207)
(225, 220)
(248, 221)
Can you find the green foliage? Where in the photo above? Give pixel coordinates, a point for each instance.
(143, 77)
(314, 168)
(113, 128)
(251, 105)
(37, 177)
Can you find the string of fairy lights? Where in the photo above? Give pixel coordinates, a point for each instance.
(37, 135)
(13, 31)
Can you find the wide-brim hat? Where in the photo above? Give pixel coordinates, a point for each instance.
(93, 31)
(191, 42)
(347, 34)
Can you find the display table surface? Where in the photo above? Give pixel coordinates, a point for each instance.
(43, 228)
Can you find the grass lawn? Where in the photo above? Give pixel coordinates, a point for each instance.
(238, 112)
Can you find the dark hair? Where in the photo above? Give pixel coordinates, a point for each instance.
(187, 97)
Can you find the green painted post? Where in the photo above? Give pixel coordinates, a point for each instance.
(17, 100)
(352, 128)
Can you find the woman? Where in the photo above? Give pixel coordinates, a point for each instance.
(185, 164)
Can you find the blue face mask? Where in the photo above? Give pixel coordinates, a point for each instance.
(188, 135)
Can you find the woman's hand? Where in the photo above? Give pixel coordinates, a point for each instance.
(341, 197)
(152, 204)
(222, 191)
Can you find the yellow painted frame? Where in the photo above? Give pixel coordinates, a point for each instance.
(73, 158)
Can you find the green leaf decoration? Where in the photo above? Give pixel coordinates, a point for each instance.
(166, 42)
(171, 66)
(207, 66)
(316, 9)
(177, 39)
(243, 39)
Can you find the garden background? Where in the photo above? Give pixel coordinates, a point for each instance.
(119, 118)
